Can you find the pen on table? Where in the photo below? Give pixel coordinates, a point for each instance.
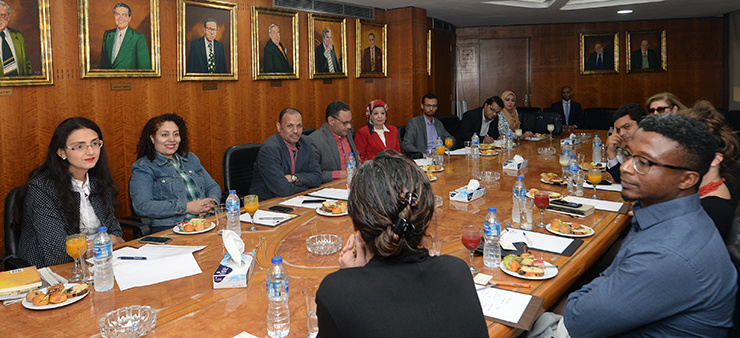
(521, 285)
(313, 201)
(270, 218)
(526, 238)
(132, 258)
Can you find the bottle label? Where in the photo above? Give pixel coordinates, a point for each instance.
(492, 228)
(102, 251)
(274, 288)
(232, 206)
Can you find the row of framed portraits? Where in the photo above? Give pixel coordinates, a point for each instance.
(645, 51)
(207, 48)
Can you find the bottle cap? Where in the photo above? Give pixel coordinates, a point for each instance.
(350, 153)
(102, 228)
(572, 156)
(277, 260)
(232, 191)
(520, 178)
(491, 209)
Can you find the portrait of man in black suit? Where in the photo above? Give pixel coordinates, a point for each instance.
(644, 58)
(275, 56)
(326, 56)
(207, 55)
(600, 59)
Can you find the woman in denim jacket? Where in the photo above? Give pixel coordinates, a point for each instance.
(168, 184)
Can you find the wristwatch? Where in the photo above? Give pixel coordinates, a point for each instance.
(293, 178)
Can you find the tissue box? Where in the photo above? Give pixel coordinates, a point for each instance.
(510, 165)
(229, 275)
(462, 195)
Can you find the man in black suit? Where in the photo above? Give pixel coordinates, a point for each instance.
(276, 59)
(570, 111)
(598, 60)
(644, 58)
(206, 53)
(326, 56)
(482, 120)
(625, 120)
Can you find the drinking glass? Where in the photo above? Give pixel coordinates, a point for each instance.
(564, 159)
(251, 204)
(312, 321)
(441, 152)
(221, 218)
(471, 240)
(594, 176)
(542, 200)
(550, 128)
(73, 244)
(518, 133)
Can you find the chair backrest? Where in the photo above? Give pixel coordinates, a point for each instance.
(547, 117)
(308, 131)
(599, 118)
(10, 236)
(401, 132)
(451, 123)
(238, 166)
(528, 117)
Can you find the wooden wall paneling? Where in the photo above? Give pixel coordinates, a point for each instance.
(441, 82)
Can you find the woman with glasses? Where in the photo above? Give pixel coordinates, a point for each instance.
(378, 135)
(71, 192)
(663, 103)
(388, 285)
(168, 184)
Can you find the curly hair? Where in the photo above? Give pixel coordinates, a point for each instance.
(385, 192)
(727, 142)
(146, 146)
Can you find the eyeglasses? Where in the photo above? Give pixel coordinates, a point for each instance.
(95, 145)
(660, 110)
(4, 16)
(641, 164)
(345, 123)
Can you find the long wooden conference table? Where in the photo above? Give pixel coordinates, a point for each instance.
(191, 307)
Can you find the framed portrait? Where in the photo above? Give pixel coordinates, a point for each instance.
(599, 53)
(29, 41)
(646, 51)
(372, 49)
(327, 47)
(119, 39)
(206, 40)
(274, 44)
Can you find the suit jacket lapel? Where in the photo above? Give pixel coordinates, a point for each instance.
(125, 47)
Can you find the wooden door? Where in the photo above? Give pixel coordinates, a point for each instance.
(505, 65)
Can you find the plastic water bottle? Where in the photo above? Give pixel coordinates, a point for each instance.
(492, 233)
(509, 140)
(351, 167)
(278, 313)
(519, 195)
(103, 256)
(475, 145)
(232, 213)
(575, 179)
(596, 155)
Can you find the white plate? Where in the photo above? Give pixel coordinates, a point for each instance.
(30, 306)
(551, 183)
(549, 272)
(549, 228)
(177, 230)
(435, 171)
(602, 167)
(326, 213)
(535, 138)
(549, 192)
(483, 154)
(432, 179)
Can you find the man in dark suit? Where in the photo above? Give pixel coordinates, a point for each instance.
(422, 131)
(644, 58)
(326, 57)
(275, 57)
(482, 120)
(333, 142)
(372, 57)
(285, 164)
(207, 54)
(570, 111)
(600, 60)
(13, 54)
(123, 47)
(625, 120)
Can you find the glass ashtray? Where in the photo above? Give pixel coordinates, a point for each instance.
(547, 151)
(324, 244)
(584, 136)
(487, 176)
(131, 321)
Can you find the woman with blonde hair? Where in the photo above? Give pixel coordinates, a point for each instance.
(664, 102)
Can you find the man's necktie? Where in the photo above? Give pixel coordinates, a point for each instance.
(117, 46)
(211, 59)
(644, 54)
(372, 59)
(599, 63)
(567, 112)
(329, 61)
(10, 67)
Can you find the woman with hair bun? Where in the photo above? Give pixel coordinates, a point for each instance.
(388, 284)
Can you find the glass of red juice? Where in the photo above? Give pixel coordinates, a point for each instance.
(471, 240)
(541, 200)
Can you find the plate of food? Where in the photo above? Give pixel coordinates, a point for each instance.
(527, 267)
(552, 178)
(431, 177)
(194, 226)
(553, 195)
(486, 146)
(596, 165)
(433, 168)
(569, 229)
(332, 209)
(55, 296)
(488, 152)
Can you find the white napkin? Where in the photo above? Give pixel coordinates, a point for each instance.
(473, 185)
(517, 159)
(234, 245)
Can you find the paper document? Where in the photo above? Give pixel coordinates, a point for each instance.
(538, 241)
(503, 304)
(163, 263)
(264, 217)
(339, 194)
(423, 161)
(598, 204)
(460, 151)
(298, 202)
(611, 187)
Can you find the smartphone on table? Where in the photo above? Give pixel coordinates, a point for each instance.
(155, 240)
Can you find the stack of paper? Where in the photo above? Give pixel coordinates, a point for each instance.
(162, 263)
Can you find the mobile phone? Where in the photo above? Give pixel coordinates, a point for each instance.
(279, 208)
(566, 203)
(155, 240)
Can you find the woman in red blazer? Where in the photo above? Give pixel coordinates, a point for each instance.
(376, 136)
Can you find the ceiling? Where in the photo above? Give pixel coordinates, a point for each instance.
(474, 13)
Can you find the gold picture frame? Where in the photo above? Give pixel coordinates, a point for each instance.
(599, 53)
(651, 60)
(270, 60)
(318, 63)
(98, 26)
(31, 43)
(202, 25)
(371, 63)
(429, 52)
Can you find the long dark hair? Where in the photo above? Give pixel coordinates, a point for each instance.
(57, 170)
(146, 147)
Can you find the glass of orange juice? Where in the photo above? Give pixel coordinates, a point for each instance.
(448, 143)
(594, 176)
(251, 204)
(73, 244)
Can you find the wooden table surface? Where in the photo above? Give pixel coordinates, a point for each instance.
(191, 307)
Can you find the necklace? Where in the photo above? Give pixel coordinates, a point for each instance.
(710, 187)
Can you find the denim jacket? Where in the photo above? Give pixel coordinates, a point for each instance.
(158, 192)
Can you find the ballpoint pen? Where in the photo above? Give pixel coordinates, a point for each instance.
(313, 201)
(526, 238)
(132, 258)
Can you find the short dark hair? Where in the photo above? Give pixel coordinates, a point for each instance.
(210, 20)
(334, 108)
(697, 142)
(498, 100)
(288, 111)
(634, 110)
(146, 147)
(121, 4)
(373, 34)
(428, 96)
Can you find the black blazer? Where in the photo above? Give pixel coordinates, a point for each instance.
(197, 60)
(607, 63)
(576, 113)
(636, 60)
(471, 123)
(614, 171)
(274, 59)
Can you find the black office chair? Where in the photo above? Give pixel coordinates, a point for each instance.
(528, 117)
(308, 131)
(598, 118)
(238, 166)
(451, 123)
(11, 238)
(140, 226)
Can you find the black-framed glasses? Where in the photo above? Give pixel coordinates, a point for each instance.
(346, 123)
(660, 110)
(82, 147)
(641, 164)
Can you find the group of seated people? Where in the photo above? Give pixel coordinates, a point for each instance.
(672, 266)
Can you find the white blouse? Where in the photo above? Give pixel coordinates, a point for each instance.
(89, 222)
(381, 133)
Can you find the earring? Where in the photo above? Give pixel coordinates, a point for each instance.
(64, 158)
